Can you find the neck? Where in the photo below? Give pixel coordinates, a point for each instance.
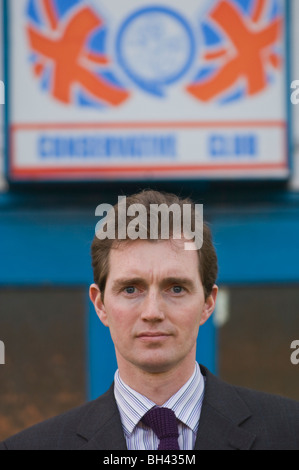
(160, 386)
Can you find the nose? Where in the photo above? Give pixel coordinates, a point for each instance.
(152, 308)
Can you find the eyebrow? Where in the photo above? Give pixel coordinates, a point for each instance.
(122, 282)
(126, 281)
(184, 281)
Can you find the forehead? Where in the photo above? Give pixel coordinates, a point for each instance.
(157, 258)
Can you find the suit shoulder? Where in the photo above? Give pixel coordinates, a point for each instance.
(272, 419)
(58, 432)
(255, 399)
(266, 400)
(47, 434)
(275, 413)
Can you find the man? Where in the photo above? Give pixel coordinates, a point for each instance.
(154, 293)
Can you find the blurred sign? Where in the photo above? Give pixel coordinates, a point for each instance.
(113, 89)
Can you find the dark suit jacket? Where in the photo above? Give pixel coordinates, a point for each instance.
(231, 418)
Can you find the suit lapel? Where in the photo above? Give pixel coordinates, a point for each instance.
(101, 427)
(223, 411)
(217, 432)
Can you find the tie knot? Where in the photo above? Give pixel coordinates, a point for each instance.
(163, 423)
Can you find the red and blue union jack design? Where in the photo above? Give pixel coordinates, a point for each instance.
(240, 52)
(67, 42)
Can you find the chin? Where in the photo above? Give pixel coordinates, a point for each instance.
(156, 366)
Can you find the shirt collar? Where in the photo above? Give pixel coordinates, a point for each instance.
(186, 402)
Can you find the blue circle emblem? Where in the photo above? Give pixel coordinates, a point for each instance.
(155, 47)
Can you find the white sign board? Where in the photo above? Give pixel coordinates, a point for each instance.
(113, 89)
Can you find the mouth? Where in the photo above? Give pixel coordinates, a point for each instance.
(150, 336)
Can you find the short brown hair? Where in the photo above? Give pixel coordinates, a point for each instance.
(100, 249)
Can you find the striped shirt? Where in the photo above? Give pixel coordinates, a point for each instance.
(186, 404)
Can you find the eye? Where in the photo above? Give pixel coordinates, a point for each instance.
(177, 289)
(130, 290)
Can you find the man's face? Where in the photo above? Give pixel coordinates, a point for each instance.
(154, 304)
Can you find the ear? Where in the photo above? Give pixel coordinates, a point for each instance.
(209, 306)
(96, 298)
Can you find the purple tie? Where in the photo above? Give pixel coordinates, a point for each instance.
(163, 423)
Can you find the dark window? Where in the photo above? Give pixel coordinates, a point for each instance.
(254, 343)
(43, 330)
